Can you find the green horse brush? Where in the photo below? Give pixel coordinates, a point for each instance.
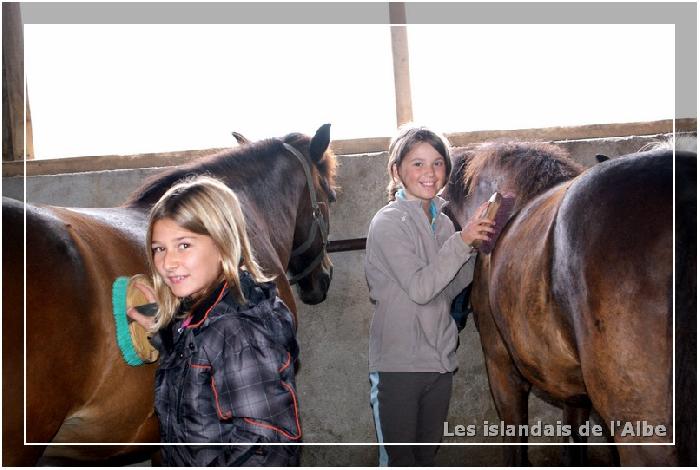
(131, 338)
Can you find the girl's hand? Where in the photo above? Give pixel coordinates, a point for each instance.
(148, 323)
(477, 228)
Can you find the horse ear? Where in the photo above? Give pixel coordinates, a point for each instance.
(240, 138)
(320, 142)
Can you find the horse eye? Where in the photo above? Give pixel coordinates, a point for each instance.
(328, 190)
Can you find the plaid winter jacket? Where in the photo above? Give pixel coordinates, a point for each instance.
(228, 377)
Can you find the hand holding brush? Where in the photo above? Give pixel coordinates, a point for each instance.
(134, 309)
(498, 210)
(144, 314)
(479, 228)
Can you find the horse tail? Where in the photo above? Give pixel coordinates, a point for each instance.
(73, 257)
(57, 292)
(14, 453)
(52, 264)
(686, 307)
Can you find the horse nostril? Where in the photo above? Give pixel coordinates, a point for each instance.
(330, 275)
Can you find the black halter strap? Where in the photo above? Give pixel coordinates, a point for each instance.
(318, 223)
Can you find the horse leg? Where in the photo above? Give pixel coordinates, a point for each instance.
(509, 388)
(575, 416)
(633, 384)
(510, 394)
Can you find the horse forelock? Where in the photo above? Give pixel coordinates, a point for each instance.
(461, 157)
(531, 167)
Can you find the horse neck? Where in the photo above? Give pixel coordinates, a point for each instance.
(280, 200)
(270, 198)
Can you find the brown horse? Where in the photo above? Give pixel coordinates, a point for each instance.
(78, 387)
(576, 298)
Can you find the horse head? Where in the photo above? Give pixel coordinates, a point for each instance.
(285, 186)
(454, 192)
(309, 267)
(522, 169)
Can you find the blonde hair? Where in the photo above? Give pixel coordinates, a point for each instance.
(408, 137)
(205, 206)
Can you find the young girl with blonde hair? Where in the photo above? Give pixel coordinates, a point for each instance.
(227, 343)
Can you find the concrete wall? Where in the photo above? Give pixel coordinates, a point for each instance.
(333, 383)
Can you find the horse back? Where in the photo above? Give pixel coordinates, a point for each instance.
(612, 274)
(78, 387)
(535, 330)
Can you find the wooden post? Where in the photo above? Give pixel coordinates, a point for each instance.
(13, 117)
(399, 50)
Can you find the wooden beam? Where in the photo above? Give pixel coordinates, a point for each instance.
(589, 131)
(350, 146)
(14, 121)
(399, 51)
(57, 166)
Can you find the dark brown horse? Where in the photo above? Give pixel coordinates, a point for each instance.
(78, 387)
(576, 298)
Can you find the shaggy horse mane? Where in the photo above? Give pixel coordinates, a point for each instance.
(534, 166)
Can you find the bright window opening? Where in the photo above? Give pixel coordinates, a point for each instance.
(498, 77)
(128, 89)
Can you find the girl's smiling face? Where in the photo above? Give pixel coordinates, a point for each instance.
(422, 172)
(188, 262)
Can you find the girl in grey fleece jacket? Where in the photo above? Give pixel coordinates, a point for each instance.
(415, 265)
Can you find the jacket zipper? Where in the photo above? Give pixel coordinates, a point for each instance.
(181, 392)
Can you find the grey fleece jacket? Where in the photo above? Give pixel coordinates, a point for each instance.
(413, 275)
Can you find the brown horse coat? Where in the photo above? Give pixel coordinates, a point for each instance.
(576, 298)
(78, 387)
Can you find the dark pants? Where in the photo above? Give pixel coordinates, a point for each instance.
(409, 407)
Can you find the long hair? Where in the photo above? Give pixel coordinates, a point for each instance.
(408, 137)
(205, 206)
